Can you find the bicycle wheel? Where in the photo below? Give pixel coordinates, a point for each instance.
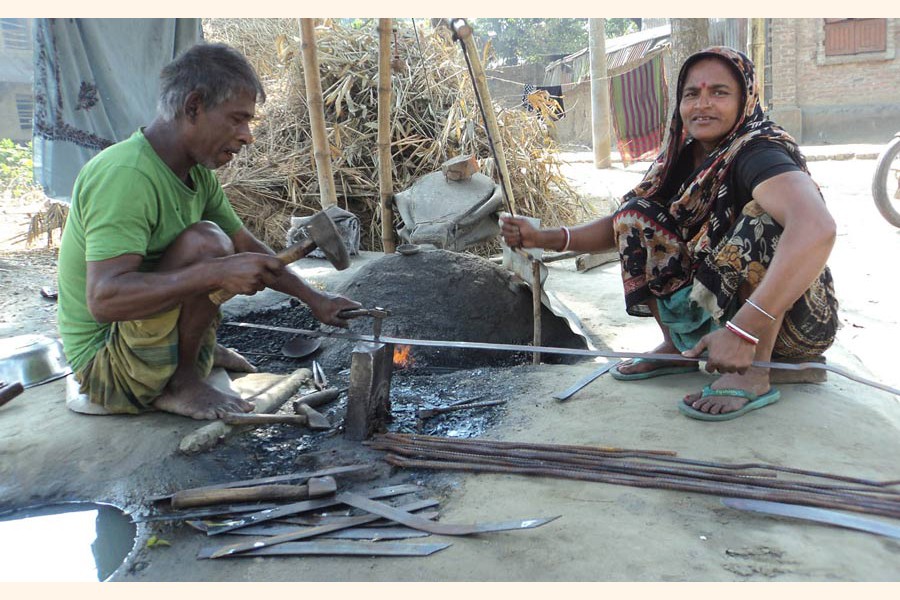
(886, 182)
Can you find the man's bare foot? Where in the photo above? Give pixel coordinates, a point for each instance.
(194, 398)
(230, 360)
(630, 367)
(755, 381)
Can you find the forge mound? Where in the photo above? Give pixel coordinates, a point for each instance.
(441, 295)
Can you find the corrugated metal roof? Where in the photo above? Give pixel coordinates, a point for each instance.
(622, 54)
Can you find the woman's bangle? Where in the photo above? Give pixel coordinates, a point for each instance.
(747, 337)
(568, 239)
(754, 305)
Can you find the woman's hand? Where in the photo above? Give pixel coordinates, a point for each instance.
(727, 353)
(518, 232)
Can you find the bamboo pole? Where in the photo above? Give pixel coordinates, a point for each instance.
(536, 305)
(599, 94)
(464, 33)
(758, 55)
(385, 180)
(321, 150)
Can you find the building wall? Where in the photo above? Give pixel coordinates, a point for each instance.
(821, 100)
(506, 84)
(9, 114)
(16, 70)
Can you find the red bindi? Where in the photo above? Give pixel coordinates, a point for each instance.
(702, 84)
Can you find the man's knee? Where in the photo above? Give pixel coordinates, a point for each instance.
(201, 240)
(206, 239)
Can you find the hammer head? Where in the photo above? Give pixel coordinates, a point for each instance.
(323, 232)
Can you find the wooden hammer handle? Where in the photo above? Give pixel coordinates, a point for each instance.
(286, 256)
(191, 499)
(264, 419)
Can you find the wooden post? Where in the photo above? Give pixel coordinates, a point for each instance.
(464, 32)
(385, 180)
(536, 305)
(758, 55)
(599, 94)
(321, 150)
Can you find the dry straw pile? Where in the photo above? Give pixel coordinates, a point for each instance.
(434, 117)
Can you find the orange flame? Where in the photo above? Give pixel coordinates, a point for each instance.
(403, 357)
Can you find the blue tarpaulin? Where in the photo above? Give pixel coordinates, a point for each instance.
(95, 82)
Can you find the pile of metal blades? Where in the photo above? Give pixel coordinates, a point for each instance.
(376, 522)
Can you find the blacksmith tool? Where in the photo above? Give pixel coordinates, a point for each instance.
(427, 413)
(317, 399)
(315, 487)
(377, 313)
(569, 351)
(273, 479)
(9, 391)
(323, 235)
(320, 382)
(306, 417)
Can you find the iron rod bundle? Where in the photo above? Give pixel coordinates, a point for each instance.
(641, 468)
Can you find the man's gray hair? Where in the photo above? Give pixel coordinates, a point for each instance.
(216, 71)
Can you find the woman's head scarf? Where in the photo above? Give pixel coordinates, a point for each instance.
(704, 206)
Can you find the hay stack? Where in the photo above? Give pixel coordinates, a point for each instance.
(434, 118)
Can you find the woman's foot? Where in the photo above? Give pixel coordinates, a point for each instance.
(641, 367)
(755, 381)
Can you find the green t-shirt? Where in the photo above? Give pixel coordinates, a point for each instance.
(126, 200)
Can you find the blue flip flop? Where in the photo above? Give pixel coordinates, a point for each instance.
(617, 374)
(770, 397)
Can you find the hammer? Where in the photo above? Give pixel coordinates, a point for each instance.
(322, 234)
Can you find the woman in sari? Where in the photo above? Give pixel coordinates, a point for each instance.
(724, 242)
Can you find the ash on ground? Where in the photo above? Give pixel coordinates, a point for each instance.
(263, 348)
(278, 449)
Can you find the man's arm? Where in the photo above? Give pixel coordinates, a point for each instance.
(118, 291)
(324, 306)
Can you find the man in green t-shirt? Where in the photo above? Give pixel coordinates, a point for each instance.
(150, 234)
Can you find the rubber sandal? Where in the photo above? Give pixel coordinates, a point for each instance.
(674, 370)
(770, 397)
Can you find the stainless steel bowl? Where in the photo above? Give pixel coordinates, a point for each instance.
(31, 360)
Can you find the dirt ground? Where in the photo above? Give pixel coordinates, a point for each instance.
(605, 532)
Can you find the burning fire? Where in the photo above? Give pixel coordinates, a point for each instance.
(403, 357)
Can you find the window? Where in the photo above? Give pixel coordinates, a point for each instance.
(15, 34)
(25, 109)
(855, 36)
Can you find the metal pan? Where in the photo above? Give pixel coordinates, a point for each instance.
(300, 346)
(31, 360)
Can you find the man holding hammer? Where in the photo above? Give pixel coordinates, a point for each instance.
(151, 234)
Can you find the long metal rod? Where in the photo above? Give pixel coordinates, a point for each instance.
(668, 483)
(885, 499)
(658, 455)
(567, 351)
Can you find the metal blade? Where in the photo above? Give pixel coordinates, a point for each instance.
(568, 393)
(405, 518)
(303, 506)
(569, 351)
(355, 533)
(339, 548)
(818, 515)
(311, 532)
(215, 511)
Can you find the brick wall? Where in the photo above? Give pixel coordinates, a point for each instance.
(833, 100)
